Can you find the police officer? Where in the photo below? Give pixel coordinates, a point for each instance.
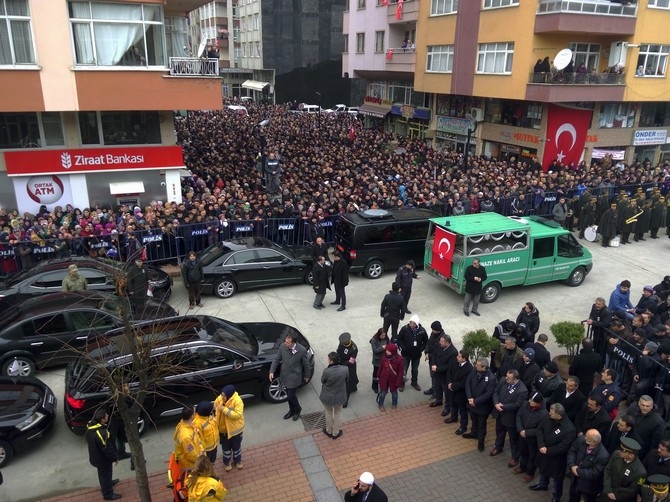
(393, 310)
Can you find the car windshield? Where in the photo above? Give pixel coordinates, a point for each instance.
(213, 253)
(230, 335)
(112, 304)
(17, 399)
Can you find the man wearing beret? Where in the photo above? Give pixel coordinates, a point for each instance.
(624, 473)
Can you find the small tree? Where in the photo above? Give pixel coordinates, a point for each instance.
(479, 343)
(568, 335)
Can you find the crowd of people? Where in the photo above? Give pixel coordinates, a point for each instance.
(274, 164)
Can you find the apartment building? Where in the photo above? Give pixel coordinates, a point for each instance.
(87, 98)
(603, 87)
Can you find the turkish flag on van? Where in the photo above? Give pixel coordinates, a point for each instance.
(443, 250)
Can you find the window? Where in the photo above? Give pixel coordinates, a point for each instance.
(377, 90)
(84, 320)
(543, 248)
(361, 4)
(495, 58)
(241, 258)
(652, 61)
(492, 4)
(346, 44)
(616, 115)
(401, 92)
(360, 42)
(438, 7)
(176, 36)
(379, 41)
(655, 114)
(53, 324)
(31, 130)
(440, 58)
(269, 256)
(16, 40)
(117, 34)
(659, 4)
(119, 128)
(586, 54)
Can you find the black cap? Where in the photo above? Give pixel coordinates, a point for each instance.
(537, 398)
(436, 326)
(551, 367)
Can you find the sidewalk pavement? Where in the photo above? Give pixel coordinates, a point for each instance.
(411, 452)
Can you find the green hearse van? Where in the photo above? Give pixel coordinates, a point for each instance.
(515, 251)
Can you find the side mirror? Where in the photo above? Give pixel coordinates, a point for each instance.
(238, 364)
(285, 261)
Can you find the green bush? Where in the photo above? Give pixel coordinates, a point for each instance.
(479, 344)
(568, 335)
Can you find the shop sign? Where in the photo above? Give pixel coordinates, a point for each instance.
(519, 137)
(453, 125)
(649, 137)
(90, 160)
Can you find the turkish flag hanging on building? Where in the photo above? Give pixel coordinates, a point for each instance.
(389, 54)
(398, 10)
(385, 3)
(443, 250)
(566, 135)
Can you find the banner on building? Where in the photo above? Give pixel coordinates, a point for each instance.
(566, 135)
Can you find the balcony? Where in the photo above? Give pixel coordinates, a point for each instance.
(400, 60)
(589, 16)
(565, 87)
(189, 67)
(410, 12)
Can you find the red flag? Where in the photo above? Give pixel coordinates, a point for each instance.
(443, 250)
(398, 10)
(566, 135)
(389, 54)
(352, 133)
(385, 3)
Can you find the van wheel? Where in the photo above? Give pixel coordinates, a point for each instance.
(490, 293)
(374, 269)
(577, 277)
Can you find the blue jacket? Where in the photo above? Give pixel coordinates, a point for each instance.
(619, 299)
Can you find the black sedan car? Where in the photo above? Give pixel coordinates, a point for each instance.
(253, 262)
(52, 329)
(27, 413)
(100, 273)
(190, 359)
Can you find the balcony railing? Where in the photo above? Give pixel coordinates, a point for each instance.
(189, 67)
(598, 7)
(578, 78)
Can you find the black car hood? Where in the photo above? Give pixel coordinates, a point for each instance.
(29, 397)
(270, 335)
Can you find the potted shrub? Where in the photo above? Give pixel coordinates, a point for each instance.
(569, 336)
(479, 344)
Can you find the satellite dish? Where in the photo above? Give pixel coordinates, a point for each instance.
(202, 46)
(562, 59)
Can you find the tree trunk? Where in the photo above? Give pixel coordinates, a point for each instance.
(135, 444)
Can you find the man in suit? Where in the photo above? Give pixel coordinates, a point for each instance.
(542, 355)
(573, 400)
(528, 419)
(340, 279)
(585, 365)
(658, 460)
(593, 416)
(456, 380)
(444, 357)
(365, 489)
(624, 426)
(509, 395)
(293, 361)
(587, 459)
(320, 281)
(479, 390)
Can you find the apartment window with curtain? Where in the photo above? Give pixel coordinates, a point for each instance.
(176, 37)
(401, 92)
(107, 34)
(495, 58)
(377, 89)
(439, 7)
(660, 4)
(379, 41)
(360, 42)
(587, 54)
(440, 58)
(16, 40)
(361, 4)
(652, 60)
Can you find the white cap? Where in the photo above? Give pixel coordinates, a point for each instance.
(415, 319)
(367, 478)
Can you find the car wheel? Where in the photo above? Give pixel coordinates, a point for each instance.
(374, 269)
(309, 277)
(6, 453)
(490, 293)
(19, 366)
(225, 288)
(274, 392)
(577, 277)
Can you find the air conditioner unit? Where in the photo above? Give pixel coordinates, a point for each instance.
(477, 114)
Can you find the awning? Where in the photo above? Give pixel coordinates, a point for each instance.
(255, 85)
(374, 110)
(126, 187)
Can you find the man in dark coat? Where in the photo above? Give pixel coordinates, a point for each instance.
(474, 277)
(456, 380)
(628, 220)
(529, 371)
(405, 277)
(550, 384)
(479, 390)
(340, 279)
(292, 361)
(587, 458)
(365, 490)
(658, 218)
(193, 275)
(542, 355)
(624, 473)
(393, 310)
(412, 340)
(136, 282)
(573, 400)
(509, 395)
(444, 358)
(347, 352)
(658, 461)
(528, 419)
(607, 225)
(623, 426)
(585, 365)
(555, 435)
(508, 357)
(649, 425)
(102, 452)
(599, 319)
(320, 282)
(593, 416)
(432, 347)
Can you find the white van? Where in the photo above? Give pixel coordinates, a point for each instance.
(310, 108)
(240, 110)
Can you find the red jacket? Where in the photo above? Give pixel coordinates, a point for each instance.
(391, 370)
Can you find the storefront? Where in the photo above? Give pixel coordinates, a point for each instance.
(82, 177)
(452, 133)
(649, 144)
(409, 120)
(374, 112)
(502, 142)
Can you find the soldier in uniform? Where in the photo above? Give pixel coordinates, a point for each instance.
(587, 216)
(621, 205)
(656, 489)
(624, 473)
(628, 225)
(643, 221)
(658, 217)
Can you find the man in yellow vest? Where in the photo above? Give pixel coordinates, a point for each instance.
(187, 441)
(205, 421)
(229, 410)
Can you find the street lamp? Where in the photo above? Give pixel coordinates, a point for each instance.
(319, 102)
(472, 128)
